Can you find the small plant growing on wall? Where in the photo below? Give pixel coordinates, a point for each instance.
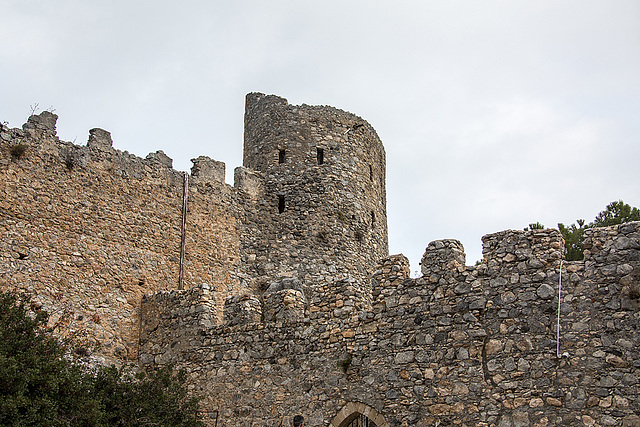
(17, 150)
(33, 109)
(345, 363)
(70, 158)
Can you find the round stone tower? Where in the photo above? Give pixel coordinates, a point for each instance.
(322, 215)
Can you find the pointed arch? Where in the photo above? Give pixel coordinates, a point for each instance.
(352, 410)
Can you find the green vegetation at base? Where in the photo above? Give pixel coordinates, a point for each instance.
(41, 385)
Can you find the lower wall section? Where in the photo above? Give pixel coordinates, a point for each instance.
(461, 345)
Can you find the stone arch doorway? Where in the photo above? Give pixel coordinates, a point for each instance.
(357, 414)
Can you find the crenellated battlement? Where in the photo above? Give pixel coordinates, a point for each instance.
(315, 218)
(522, 266)
(537, 249)
(291, 303)
(468, 343)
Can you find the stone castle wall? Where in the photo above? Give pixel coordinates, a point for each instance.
(292, 304)
(89, 230)
(460, 345)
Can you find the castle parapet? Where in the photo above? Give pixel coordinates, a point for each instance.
(45, 121)
(248, 181)
(612, 244)
(100, 140)
(443, 255)
(391, 272)
(205, 169)
(612, 255)
(159, 158)
(170, 321)
(284, 306)
(533, 249)
(284, 301)
(242, 310)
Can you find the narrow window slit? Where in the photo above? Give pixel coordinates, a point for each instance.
(281, 156)
(280, 203)
(320, 155)
(373, 218)
(370, 173)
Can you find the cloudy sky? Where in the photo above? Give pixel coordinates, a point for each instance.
(494, 114)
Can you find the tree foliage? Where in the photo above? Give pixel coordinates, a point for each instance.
(615, 213)
(534, 226)
(40, 385)
(573, 240)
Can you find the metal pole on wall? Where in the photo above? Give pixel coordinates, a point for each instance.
(558, 355)
(183, 239)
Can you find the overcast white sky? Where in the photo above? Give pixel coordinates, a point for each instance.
(494, 114)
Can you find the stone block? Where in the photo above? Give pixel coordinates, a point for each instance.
(205, 169)
(242, 310)
(100, 139)
(284, 305)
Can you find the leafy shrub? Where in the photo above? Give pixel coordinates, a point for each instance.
(40, 385)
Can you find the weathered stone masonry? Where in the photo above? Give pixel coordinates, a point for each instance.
(293, 304)
(322, 217)
(90, 229)
(461, 345)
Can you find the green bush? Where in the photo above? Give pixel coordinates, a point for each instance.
(41, 385)
(615, 213)
(573, 240)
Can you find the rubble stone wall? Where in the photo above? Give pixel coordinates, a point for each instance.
(88, 230)
(324, 205)
(460, 345)
(288, 308)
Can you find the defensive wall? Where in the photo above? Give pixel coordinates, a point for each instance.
(291, 303)
(459, 346)
(90, 229)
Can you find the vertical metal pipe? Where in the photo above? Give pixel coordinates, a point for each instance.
(558, 324)
(183, 239)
